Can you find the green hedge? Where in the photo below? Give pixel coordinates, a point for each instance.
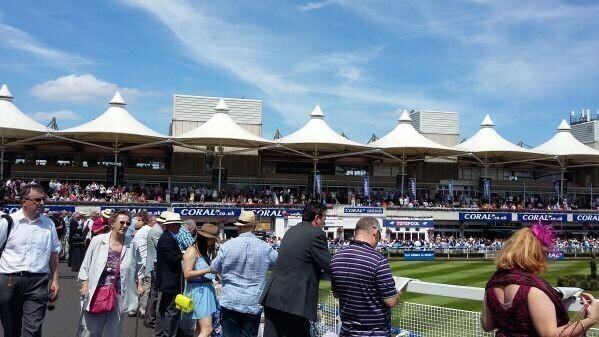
(585, 282)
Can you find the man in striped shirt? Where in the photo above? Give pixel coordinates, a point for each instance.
(361, 279)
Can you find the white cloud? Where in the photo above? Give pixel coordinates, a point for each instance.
(309, 6)
(17, 39)
(83, 89)
(60, 115)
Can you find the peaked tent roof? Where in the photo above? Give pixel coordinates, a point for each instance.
(488, 144)
(317, 135)
(566, 147)
(116, 123)
(221, 130)
(13, 122)
(405, 139)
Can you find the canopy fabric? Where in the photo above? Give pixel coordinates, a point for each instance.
(114, 125)
(567, 148)
(487, 144)
(221, 130)
(317, 135)
(13, 122)
(406, 140)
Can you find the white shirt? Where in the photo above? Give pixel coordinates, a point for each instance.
(29, 245)
(141, 240)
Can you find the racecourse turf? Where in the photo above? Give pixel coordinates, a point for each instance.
(465, 273)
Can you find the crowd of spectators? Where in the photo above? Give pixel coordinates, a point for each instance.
(96, 192)
(589, 244)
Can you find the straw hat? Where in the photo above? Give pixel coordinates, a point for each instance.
(160, 219)
(172, 219)
(106, 213)
(209, 230)
(246, 218)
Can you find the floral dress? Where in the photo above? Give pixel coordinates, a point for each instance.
(111, 273)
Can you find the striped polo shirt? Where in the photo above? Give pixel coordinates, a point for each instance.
(361, 278)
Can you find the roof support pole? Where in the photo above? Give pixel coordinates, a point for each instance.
(220, 166)
(315, 160)
(403, 171)
(2, 160)
(116, 156)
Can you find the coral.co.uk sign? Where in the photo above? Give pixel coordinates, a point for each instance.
(585, 217)
(207, 211)
(485, 216)
(276, 212)
(363, 210)
(136, 209)
(531, 217)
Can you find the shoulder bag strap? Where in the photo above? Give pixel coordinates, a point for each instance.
(9, 224)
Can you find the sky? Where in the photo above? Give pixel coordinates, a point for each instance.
(526, 63)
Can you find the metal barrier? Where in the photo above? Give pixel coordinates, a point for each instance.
(419, 320)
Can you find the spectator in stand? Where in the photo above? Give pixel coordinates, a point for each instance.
(112, 267)
(243, 263)
(518, 302)
(290, 296)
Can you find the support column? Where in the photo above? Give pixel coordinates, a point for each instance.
(2, 163)
(116, 163)
(220, 166)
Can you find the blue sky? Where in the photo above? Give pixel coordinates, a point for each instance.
(527, 64)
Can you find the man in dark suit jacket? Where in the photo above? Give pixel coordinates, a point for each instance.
(168, 277)
(290, 296)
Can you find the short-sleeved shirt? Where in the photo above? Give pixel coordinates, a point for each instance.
(29, 245)
(361, 277)
(243, 263)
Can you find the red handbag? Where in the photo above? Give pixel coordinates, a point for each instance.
(104, 300)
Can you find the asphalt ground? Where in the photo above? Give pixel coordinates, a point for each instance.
(63, 320)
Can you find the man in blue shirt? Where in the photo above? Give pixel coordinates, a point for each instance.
(243, 263)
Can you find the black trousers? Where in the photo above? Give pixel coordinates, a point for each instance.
(23, 304)
(282, 324)
(239, 324)
(152, 301)
(167, 316)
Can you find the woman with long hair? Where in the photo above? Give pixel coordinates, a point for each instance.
(518, 302)
(111, 278)
(196, 271)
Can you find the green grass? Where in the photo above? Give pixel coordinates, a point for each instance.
(465, 273)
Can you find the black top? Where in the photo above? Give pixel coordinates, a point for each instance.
(168, 264)
(304, 258)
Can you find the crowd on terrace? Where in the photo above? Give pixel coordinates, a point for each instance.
(96, 192)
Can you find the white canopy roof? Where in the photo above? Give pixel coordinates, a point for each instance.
(13, 122)
(487, 144)
(317, 135)
(221, 130)
(566, 147)
(116, 124)
(405, 139)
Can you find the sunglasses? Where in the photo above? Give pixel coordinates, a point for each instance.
(123, 222)
(37, 200)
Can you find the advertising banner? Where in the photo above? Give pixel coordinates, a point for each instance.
(585, 217)
(419, 255)
(486, 216)
(208, 211)
(276, 212)
(136, 209)
(533, 217)
(363, 210)
(426, 223)
(366, 186)
(11, 208)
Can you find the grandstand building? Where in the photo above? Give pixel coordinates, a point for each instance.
(106, 155)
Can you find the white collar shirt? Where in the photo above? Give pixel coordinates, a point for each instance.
(29, 245)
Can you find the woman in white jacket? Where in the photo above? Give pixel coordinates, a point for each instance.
(112, 270)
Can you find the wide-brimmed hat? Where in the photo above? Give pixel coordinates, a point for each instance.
(172, 219)
(209, 230)
(106, 213)
(162, 217)
(246, 218)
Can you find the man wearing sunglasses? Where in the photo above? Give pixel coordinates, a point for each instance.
(366, 290)
(28, 266)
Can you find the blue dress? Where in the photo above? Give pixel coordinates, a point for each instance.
(202, 292)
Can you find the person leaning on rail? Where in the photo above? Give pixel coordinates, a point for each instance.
(518, 302)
